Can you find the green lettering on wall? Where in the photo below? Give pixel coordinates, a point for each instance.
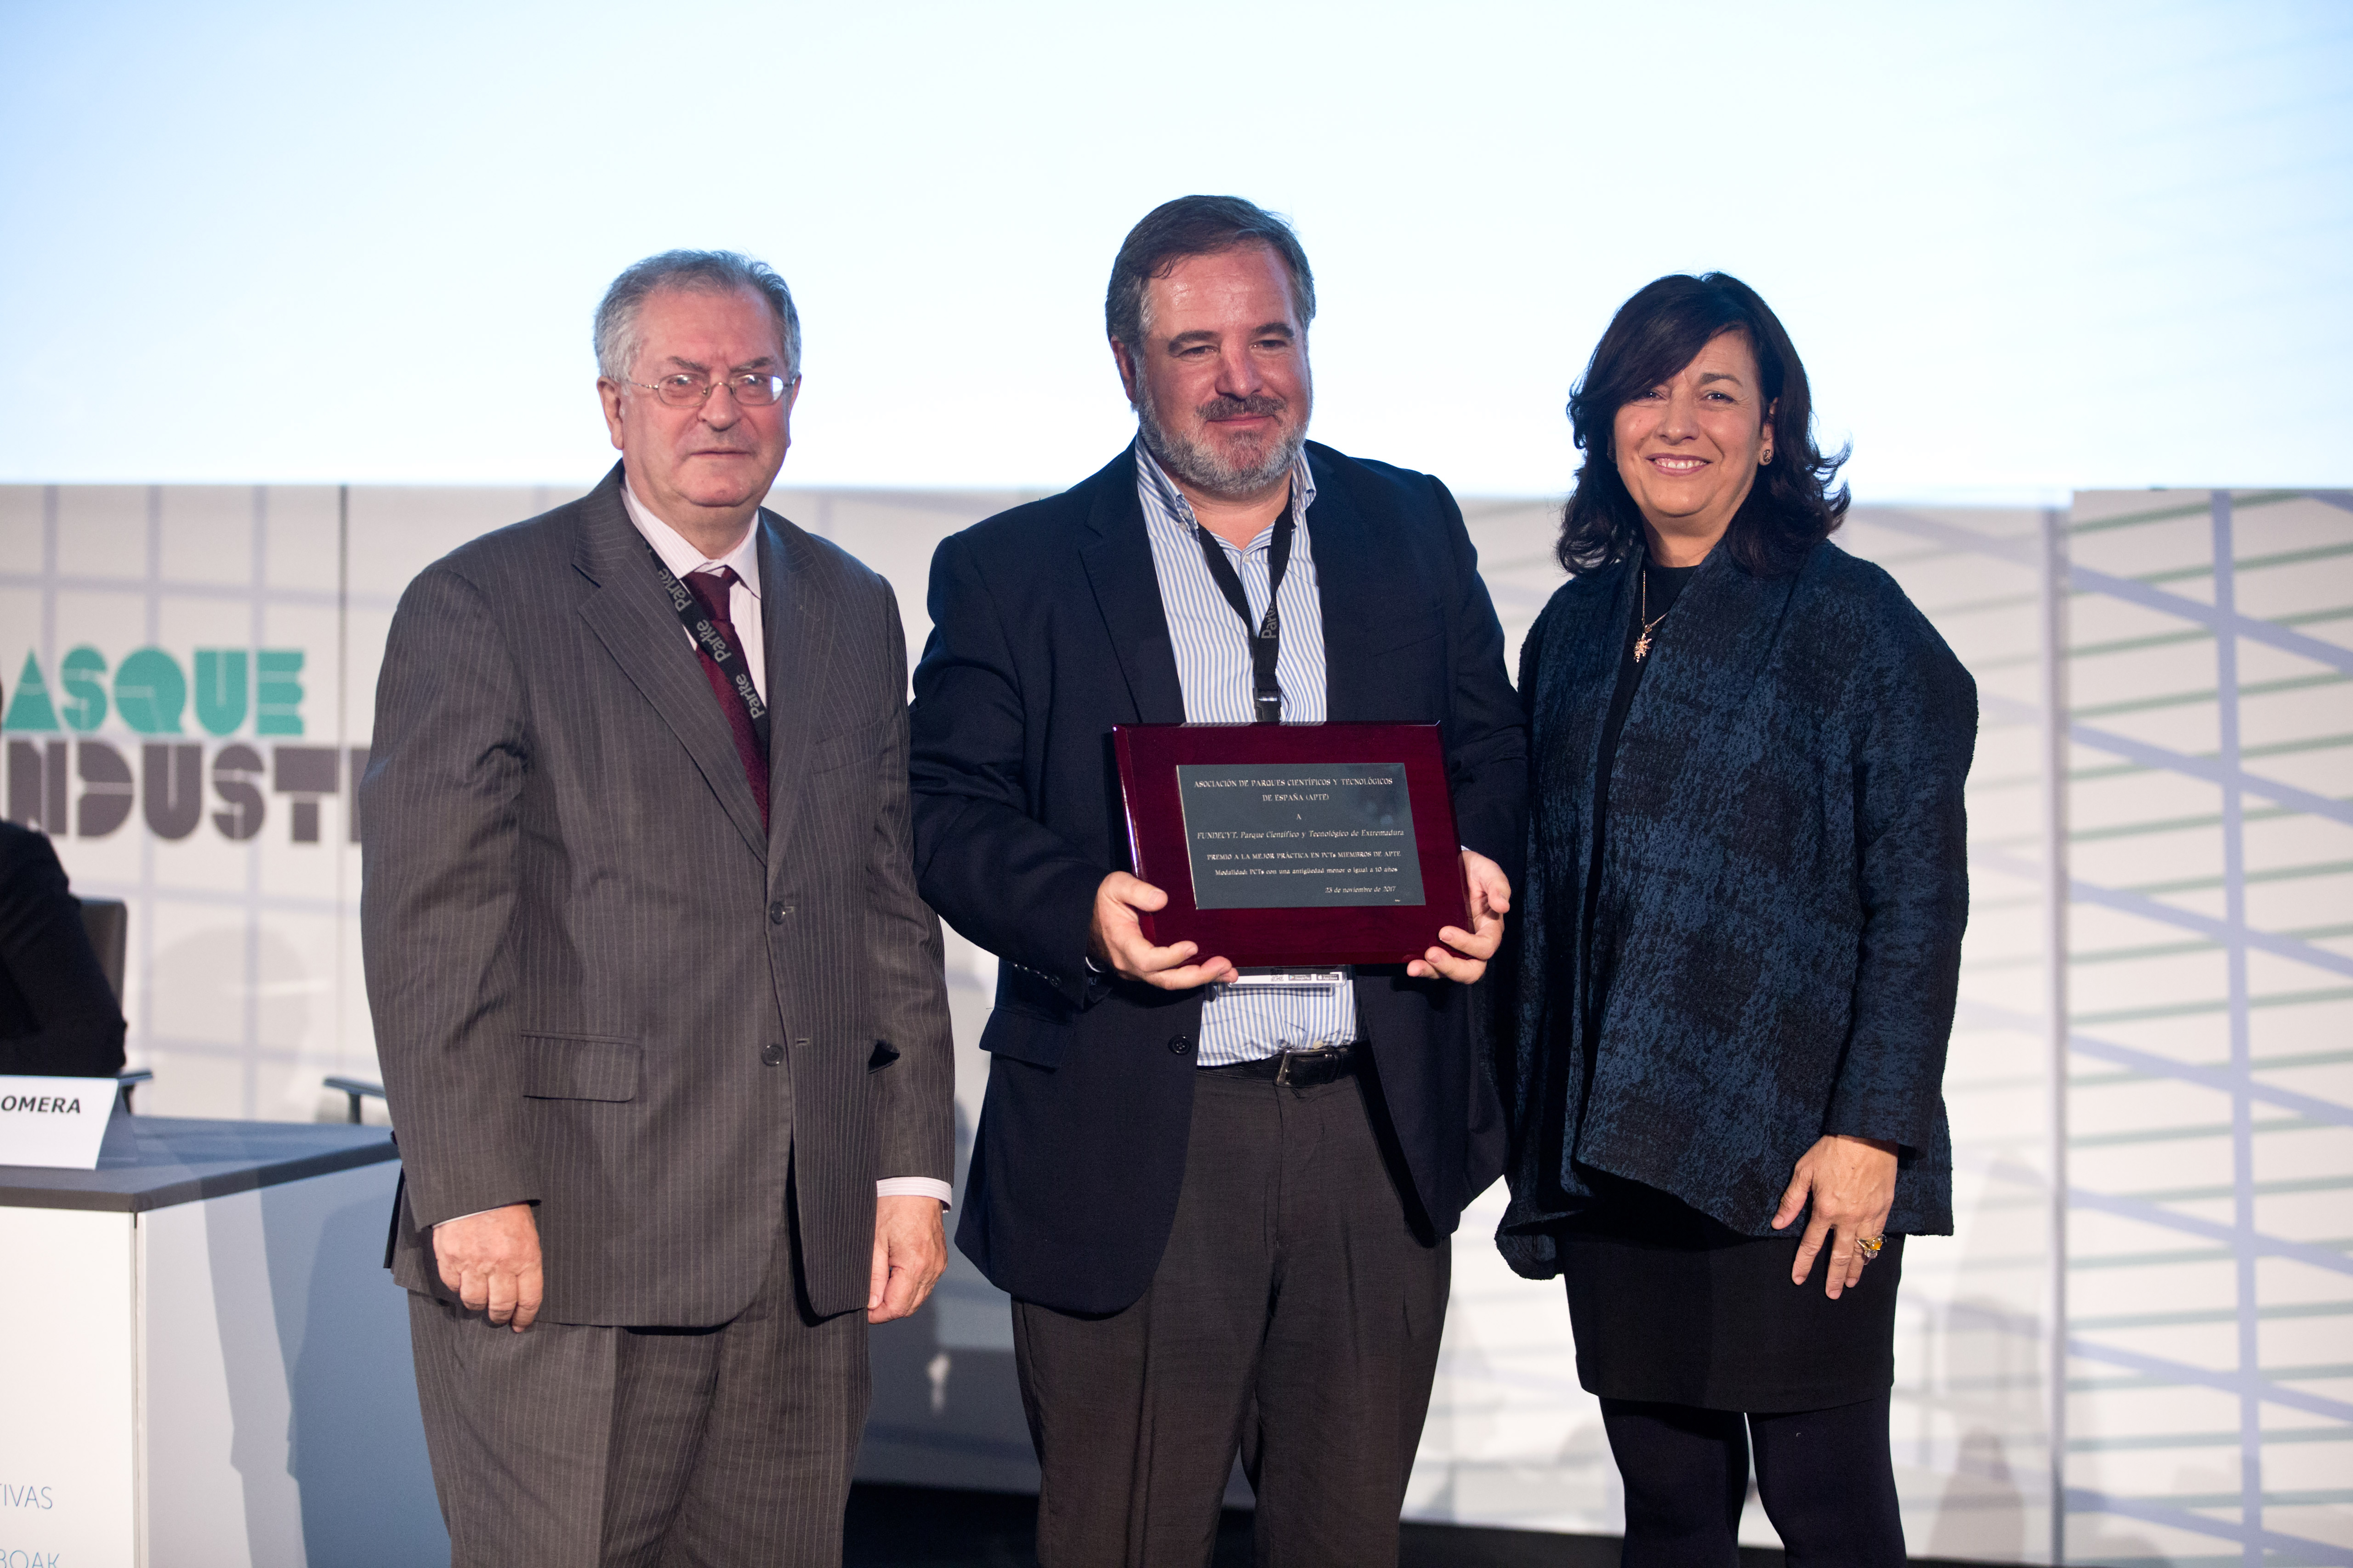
(220, 688)
(30, 708)
(85, 704)
(150, 692)
(278, 695)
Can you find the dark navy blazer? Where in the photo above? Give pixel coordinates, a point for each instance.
(1048, 630)
(59, 1018)
(1786, 880)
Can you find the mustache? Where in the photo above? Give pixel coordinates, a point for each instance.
(1224, 406)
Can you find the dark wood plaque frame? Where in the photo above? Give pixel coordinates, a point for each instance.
(1149, 756)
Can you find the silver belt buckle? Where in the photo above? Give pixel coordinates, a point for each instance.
(1320, 1053)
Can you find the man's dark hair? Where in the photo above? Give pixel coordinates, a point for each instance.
(1790, 509)
(1196, 225)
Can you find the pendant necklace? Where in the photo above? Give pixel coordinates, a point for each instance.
(1643, 643)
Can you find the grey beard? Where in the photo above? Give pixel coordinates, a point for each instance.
(1206, 468)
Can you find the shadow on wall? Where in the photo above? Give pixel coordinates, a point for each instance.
(944, 1415)
(1982, 1517)
(947, 1401)
(1986, 1390)
(355, 1440)
(343, 1436)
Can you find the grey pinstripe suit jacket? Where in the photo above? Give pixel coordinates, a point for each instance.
(580, 944)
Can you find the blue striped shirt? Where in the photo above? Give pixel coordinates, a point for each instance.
(1245, 1022)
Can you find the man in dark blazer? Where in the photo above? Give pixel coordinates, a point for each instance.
(662, 1019)
(1219, 1200)
(59, 1018)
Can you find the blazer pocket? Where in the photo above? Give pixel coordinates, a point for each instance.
(1024, 1036)
(579, 1067)
(842, 748)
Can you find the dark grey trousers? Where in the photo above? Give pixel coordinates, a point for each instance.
(1294, 1318)
(572, 1445)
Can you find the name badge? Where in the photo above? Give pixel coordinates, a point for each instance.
(57, 1122)
(1287, 979)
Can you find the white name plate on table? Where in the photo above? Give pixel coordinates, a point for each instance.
(54, 1121)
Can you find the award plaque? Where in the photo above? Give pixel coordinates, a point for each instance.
(1294, 845)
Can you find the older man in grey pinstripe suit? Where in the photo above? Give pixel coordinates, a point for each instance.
(662, 1017)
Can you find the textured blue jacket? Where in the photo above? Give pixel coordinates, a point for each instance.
(1785, 882)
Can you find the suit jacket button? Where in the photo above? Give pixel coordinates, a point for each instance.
(776, 913)
(1180, 1043)
(774, 1055)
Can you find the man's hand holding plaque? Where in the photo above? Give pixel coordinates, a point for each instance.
(1118, 942)
(1264, 852)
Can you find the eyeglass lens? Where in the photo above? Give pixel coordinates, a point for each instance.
(751, 391)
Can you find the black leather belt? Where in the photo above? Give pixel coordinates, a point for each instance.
(1301, 1068)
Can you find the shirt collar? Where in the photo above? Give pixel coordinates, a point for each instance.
(1150, 475)
(681, 556)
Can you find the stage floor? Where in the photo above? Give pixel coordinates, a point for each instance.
(927, 1526)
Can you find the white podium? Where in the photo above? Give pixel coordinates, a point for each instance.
(207, 1362)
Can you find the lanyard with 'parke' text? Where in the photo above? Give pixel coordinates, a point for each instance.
(712, 641)
(1266, 637)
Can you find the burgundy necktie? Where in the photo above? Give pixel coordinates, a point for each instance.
(712, 587)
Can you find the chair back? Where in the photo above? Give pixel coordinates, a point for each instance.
(108, 921)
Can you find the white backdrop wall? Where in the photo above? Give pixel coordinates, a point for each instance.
(2003, 235)
(190, 673)
(2209, 671)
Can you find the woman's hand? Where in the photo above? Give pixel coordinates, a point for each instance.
(1852, 1182)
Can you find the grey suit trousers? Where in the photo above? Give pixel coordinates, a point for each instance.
(1294, 1318)
(571, 1445)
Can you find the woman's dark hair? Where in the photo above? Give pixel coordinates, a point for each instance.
(1790, 509)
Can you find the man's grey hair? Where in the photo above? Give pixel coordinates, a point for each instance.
(1196, 225)
(696, 272)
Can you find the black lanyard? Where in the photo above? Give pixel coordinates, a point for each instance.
(1266, 639)
(712, 641)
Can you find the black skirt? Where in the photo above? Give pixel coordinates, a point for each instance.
(1669, 1305)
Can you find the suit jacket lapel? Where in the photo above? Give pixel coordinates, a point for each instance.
(1127, 591)
(634, 622)
(1350, 590)
(1371, 601)
(796, 620)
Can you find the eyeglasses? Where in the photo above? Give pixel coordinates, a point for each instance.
(686, 390)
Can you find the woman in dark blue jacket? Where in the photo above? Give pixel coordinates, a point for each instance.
(1740, 940)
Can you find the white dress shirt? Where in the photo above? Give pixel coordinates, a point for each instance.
(743, 598)
(1267, 1011)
